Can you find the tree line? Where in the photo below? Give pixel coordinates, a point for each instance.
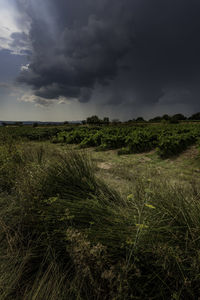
(95, 120)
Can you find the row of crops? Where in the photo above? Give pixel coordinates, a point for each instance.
(28, 133)
(169, 140)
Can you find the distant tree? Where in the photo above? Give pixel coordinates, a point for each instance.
(179, 117)
(35, 124)
(83, 122)
(195, 116)
(106, 120)
(174, 120)
(140, 119)
(93, 120)
(166, 117)
(156, 119)
(4, 124)
(66, 123)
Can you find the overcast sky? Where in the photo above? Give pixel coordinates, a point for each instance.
(68, 59)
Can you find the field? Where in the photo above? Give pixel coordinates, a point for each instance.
(100, 212)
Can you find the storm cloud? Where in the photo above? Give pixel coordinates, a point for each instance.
(135, 51)
(77, 46)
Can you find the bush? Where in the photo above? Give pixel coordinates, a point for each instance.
(171, 145)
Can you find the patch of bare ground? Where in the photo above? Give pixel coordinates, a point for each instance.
(145, 159)
(105, 166)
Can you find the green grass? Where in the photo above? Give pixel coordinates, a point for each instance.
(94, 225)
(181, 169)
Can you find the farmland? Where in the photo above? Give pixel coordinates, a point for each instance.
(169, 140)
(100, 212)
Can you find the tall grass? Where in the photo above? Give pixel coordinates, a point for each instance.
(64, 234)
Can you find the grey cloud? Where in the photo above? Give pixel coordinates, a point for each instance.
(79, 54)
(133, 49)
(20, 43)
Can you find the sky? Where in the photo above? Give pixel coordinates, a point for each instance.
(69, 59)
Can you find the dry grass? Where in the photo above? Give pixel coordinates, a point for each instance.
(66, 234)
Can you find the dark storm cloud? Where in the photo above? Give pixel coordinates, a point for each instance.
(141, 46)
(76, 45)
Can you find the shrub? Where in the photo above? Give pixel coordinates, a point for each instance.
(175, 144)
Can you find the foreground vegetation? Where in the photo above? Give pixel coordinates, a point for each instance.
(65, 234)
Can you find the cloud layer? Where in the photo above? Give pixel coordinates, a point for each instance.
(136, 51)
(75, 50)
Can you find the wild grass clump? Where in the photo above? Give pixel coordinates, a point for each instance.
(64, 234)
